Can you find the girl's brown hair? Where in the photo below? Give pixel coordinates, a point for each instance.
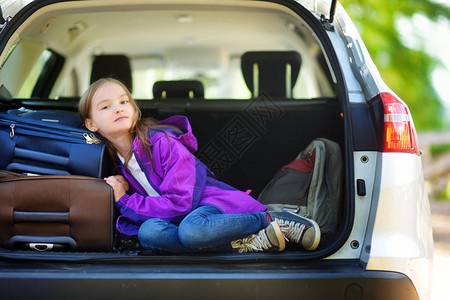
(139, 127)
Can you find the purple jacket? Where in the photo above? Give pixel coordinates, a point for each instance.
(183, 182)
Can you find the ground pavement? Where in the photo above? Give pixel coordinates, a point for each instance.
(440, 218)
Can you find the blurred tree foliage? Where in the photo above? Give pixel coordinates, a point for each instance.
(406, 71)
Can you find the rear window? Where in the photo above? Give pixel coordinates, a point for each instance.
(166, 45)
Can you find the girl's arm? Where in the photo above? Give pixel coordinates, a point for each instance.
(180, 188)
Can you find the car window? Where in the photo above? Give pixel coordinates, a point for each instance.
(218, 84)
(30, 81)
(206, 46)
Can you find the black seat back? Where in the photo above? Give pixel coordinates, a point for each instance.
(114, 66)
(267, 71)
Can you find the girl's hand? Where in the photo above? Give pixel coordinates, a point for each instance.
(119, 186)
(123, 181)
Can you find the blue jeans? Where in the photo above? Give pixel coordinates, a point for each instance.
(204, 229)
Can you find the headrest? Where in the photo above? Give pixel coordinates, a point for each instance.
(178, 89)
(274, 72)
(114, 66)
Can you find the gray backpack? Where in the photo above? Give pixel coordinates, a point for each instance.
(310, 186)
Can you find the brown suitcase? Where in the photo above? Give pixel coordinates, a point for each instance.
(53, 212)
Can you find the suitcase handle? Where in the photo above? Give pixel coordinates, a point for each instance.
(42, 243)
(41, 157)
(42, 247)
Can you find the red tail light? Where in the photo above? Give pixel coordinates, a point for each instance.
(399, 131)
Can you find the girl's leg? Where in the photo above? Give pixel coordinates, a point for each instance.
(207, 227)
(161, 235)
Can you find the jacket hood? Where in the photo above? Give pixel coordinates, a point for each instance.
(186, 137)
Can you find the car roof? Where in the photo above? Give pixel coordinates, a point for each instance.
(106, 19)
(11, 7)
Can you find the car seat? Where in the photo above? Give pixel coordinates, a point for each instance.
(273, 73)
(115, 66)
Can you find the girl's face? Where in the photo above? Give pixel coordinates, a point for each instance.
(111, 112)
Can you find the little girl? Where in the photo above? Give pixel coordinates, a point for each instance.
(168, 197)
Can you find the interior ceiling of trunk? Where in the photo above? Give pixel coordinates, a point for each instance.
(166, 31)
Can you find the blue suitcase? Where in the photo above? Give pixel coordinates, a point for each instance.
(50, 142)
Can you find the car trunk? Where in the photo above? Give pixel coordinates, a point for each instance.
(243, 140)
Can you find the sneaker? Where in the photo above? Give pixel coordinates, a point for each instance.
(298, 229)
(269, 239)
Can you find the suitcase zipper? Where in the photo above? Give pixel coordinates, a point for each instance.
(88, 138)
(11, 133)
(91, 138)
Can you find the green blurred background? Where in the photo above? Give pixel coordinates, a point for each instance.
(409, 41)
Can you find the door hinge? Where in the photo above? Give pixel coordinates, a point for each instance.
(328, 23)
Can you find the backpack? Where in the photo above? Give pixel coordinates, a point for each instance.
(310, 186)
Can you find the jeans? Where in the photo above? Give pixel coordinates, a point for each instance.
(204, 229)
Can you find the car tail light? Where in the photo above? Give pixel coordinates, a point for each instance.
(399, 131)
